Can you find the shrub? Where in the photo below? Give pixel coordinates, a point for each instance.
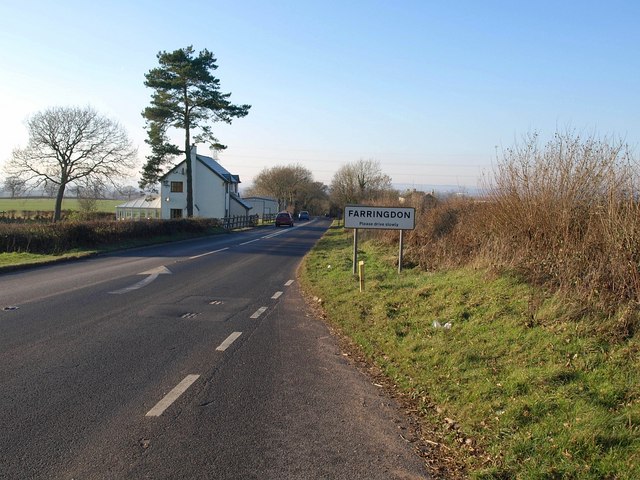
(565, 214)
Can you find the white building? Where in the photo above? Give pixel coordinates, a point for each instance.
(262, 205)
(215, 190)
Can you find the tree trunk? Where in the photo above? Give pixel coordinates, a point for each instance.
(57, 212)
(187, 149)
(189, 179)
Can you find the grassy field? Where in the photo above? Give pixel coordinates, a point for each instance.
(520, 385)
(47, 204)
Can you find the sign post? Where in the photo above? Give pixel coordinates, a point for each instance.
(355, 250)
(380, 218)
(400, 251)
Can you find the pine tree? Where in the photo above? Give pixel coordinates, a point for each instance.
(186, 96)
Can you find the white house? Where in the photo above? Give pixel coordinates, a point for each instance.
(262, 205)
(215, 190)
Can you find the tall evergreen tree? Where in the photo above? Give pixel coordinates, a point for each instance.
(161, 153)
(186, 95)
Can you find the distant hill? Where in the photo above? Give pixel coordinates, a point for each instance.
(438, 189)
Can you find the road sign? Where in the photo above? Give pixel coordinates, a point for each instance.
(384, 218)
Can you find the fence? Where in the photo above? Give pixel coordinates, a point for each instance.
(245, 221)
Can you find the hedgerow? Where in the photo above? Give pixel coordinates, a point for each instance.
(55, 238)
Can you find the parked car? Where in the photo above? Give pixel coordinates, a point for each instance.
(303, 215)
(284, 218)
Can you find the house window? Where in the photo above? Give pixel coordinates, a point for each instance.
(176, 187)
(176, 213)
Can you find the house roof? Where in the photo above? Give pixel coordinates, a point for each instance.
(241, 201)
(212, 165)
(218, 169)
(149, 201)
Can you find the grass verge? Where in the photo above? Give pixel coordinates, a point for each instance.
(521, 385)
(23, 258)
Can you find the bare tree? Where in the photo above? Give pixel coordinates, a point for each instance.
(127, 192)
(15, 186)
(49, 189)
(88, 194)
(69, 146)
(358, 182)
(285, 183)
(314, 197)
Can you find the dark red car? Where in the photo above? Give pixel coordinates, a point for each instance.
(284, 218)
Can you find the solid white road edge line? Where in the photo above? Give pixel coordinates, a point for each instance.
(276, 295)
(230, 339)
(208, 253)
(172, 396)
(259, 312)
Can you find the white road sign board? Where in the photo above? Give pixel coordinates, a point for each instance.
(385, 218)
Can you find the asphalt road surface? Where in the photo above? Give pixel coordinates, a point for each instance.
(195, 360)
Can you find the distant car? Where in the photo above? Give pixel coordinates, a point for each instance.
(284, 218)
(303, 215)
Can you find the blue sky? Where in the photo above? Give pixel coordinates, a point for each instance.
(429, 89)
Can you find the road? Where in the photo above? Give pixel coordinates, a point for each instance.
(197, 359)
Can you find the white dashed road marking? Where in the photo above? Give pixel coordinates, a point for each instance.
(172, 396)
(259, 312)
(275, 234)
(230, 339)
(208, 253)
(289, 283)
(276, 295)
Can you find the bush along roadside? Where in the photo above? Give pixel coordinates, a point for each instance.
(61, 237)
(519, 382)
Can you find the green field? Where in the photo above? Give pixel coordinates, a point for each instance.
(47, 204)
